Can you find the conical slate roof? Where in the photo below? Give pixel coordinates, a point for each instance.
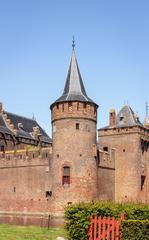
(127, 117)
(74, 89)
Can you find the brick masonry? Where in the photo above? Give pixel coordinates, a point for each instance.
(115, 169)
(74, 148)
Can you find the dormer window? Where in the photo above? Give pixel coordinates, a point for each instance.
(121, 118)
(20, 125)
(105, 149)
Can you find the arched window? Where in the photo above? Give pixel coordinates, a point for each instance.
(66, 175)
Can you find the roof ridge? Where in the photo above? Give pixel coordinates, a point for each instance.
(131, 113)
(14, 114)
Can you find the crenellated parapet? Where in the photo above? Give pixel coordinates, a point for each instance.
(107, 159)
(123, 130)
(77, 110)
(25, 157)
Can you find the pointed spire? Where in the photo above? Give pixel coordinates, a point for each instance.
(74, 89)
(74, 86)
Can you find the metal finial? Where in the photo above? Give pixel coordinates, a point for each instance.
(146, 109)
(73, 42)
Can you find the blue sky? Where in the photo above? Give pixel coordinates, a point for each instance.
(112, 48)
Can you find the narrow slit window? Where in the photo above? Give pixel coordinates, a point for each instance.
(95, 110)
(63, 107)
(77, 126)
(70, 106)
(66, 175)
(142, 182)
(84, 105)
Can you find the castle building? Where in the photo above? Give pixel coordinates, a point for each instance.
(73, 165)
(39, 176)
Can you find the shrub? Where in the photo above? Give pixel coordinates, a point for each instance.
(78, 216)
(135, 230)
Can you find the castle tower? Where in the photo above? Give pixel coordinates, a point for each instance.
(124, 174)
(73, 165)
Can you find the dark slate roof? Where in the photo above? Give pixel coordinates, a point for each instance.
(126, 118)
(74, 89)
(23, 134)
(3, 127)
(27, 126)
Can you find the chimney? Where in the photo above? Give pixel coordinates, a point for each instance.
(146, 123)
(112, 118)
(36, 132)
(1, 107)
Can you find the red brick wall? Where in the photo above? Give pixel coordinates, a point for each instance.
(126, 142)
(24, 180)
(73, 147)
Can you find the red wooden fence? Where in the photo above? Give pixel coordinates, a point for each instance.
(106, 228)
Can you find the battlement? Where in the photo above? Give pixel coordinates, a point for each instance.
(24, 157)
(74, 110)
(123, 130)
(107, 159)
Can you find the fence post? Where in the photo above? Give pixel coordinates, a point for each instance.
(91, 229)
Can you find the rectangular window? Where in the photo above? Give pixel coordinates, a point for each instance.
(66, 175)
(2, 148)
(77, 126)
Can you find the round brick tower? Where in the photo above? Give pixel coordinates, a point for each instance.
(73, 165)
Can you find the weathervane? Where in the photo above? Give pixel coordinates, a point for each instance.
(146, 109)
(73, 43)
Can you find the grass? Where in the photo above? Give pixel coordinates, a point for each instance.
(10, 232)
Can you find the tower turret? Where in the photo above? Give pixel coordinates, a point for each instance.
(73, 166)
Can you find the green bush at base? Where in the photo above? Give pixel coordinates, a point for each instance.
(135, 230)
(78, 216)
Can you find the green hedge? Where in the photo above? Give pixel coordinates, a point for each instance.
(78, 216)
(135, 230)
